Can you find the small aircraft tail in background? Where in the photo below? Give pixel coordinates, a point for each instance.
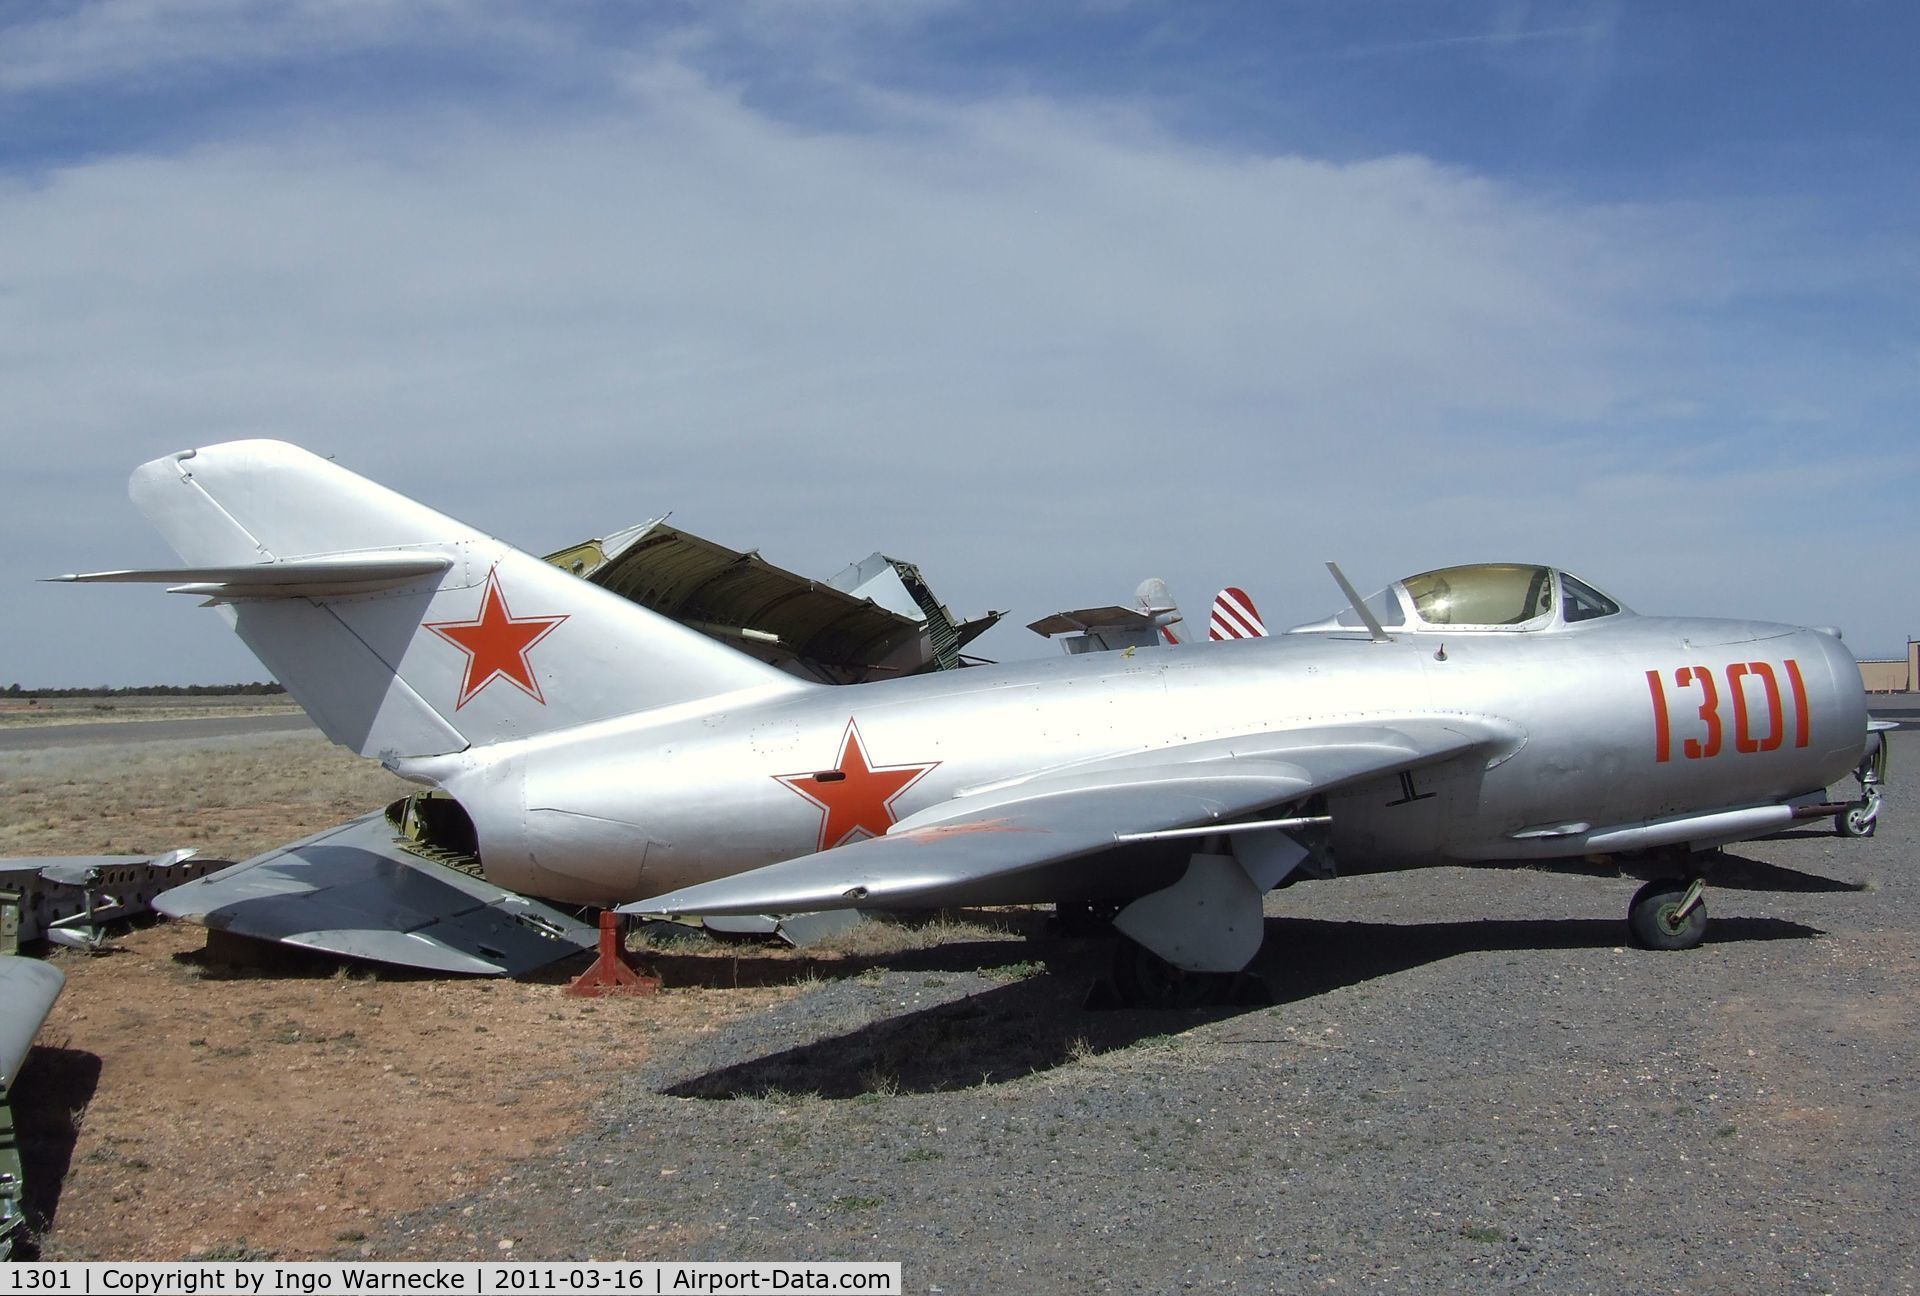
(1235, 617)
(1154, 600)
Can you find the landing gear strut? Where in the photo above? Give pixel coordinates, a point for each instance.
(1860, 818)
(1143, 979)
(1668, 914)
(1083, 918)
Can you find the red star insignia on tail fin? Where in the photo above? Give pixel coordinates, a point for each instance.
(859, 802)
(496, 643)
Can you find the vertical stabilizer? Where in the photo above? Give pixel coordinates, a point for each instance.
(320, 572)
(1234, 616)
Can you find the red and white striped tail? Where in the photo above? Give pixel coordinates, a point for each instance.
(1235, 617)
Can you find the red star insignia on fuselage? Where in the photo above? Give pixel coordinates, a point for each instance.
(496, 643)
(860, 801)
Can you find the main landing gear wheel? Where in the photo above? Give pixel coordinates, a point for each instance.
(1145, 980)
(1668, 915)
(1083, 918)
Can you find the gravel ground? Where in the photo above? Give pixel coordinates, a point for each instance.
(1466, 1083)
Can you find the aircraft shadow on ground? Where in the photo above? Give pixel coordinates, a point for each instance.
(1738, 873)
(723, 969)
(1039, 1023)
(228, 957)
(703, 963)
(49, 1099)
(690, 958)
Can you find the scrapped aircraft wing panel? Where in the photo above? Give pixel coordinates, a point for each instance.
(1001, 846)
(28, 988)
(353, 891)
(1083, 619)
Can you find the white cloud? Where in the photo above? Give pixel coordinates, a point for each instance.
(129, 45)
(1042, 350)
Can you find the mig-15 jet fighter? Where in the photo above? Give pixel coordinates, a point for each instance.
(590, 752)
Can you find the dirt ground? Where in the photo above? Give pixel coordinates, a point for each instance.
(231, 798)
(178, 1104)
(224, 1110)
(1466, 1082)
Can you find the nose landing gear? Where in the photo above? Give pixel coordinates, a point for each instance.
(1860, 817)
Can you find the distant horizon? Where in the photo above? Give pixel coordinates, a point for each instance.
(38, 691)
(21, 690)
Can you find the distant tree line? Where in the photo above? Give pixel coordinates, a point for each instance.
(261, 688)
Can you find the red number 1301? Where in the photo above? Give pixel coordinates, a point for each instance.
(1744, 680)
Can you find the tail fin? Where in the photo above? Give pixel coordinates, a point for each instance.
(1153, 599)
(401, 631)
(1235, 617)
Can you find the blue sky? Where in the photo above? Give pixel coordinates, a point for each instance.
(1046, 298)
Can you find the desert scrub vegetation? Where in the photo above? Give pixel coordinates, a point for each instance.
(232, 797)
(882, 935)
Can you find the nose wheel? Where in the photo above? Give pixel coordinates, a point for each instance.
(1668, 915)
(1860, 818)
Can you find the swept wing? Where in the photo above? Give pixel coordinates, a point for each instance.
(1012, 843)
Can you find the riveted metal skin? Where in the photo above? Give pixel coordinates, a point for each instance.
(566, 815)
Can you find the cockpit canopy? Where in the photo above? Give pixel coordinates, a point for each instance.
(1478, 597)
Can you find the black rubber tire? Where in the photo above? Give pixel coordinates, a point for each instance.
(1650, 917)
(1143, 979)
(1848, 823)
(1079, 918)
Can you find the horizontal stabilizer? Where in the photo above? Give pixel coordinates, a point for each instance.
(316, 577)
(28, 988)
(401, 631)
(356, 892)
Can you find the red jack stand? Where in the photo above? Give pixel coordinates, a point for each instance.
(611, 973)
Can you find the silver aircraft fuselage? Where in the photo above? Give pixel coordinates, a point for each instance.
(591, 751)
(1623, 732)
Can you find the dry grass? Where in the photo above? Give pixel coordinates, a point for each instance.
(232, 799)
(881, 937)
(290, 1114)
(18, 713)
(179, 1105)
